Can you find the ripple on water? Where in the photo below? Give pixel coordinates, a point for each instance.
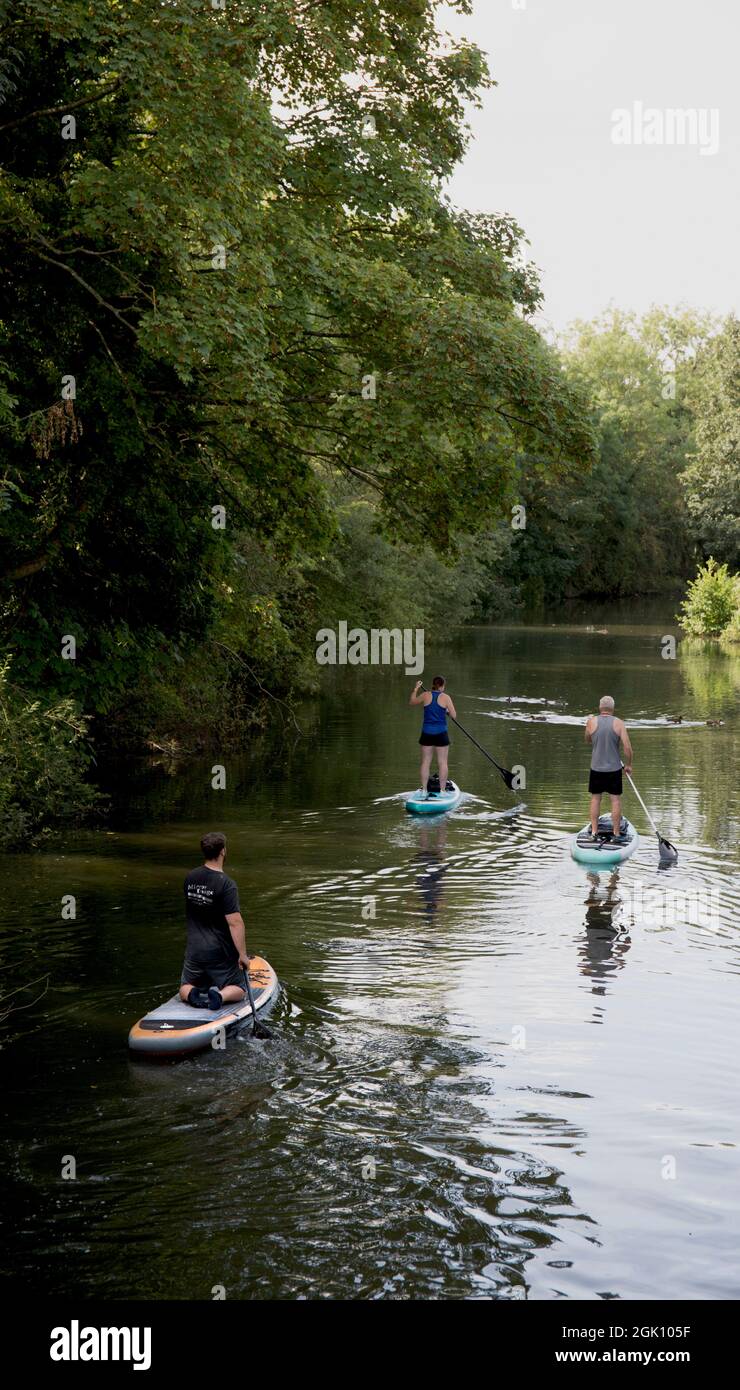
(494, 1074)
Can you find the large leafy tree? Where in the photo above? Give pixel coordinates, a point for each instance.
(227, 226)
(712, 478)
(638, 372)
(624, 527)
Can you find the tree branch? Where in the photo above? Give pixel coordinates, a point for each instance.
(30, 566)
(99, 298)
(62, 110)
(122, 375)
(257, 681)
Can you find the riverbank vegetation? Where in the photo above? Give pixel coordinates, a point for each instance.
(44, 765)
(712, 604)
(258, 375)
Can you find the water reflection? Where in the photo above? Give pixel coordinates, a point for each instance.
(603, 950)
(430, 861)
(494, 1164)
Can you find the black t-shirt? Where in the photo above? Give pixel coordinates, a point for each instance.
(209, 895)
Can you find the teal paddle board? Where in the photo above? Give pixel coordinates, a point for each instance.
(603, 851)
(422, 803)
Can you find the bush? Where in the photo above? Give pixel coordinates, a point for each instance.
(712, 603)
(44, 759)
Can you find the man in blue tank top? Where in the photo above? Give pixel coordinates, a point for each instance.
(605, 734)
(434, 735)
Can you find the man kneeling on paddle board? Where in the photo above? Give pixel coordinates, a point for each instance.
(216, 952)
(434, 735)
(605, 733)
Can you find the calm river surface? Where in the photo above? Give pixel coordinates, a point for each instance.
(515, 1080)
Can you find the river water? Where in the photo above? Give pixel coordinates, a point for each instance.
(494, 1074)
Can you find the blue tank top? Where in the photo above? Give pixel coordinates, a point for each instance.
(435, 716)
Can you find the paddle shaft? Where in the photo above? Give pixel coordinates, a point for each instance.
(478, 746)
(503, 770)
(667, 850)
(642, 803)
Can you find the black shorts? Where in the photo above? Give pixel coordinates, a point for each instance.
(216, 970)
(610, 782)
(434, 740)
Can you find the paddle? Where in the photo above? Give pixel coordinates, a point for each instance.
(259, 1030)
(507, 776)
(667, 851)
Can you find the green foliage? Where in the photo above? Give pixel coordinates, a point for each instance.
(712, 479)
(212, 694)
(45, 757)
(634, 523)
(371, 583)
(246, 262)
(629, 532)
(712, 602)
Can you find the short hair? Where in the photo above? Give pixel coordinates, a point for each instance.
(438, 682)
(212, 844)
(606, 702)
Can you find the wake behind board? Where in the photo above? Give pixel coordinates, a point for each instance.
(426, 803)
(603, 851)
(176, 1029)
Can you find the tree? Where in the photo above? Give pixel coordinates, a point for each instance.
(622, 528)
(238, 282)
(712, 479)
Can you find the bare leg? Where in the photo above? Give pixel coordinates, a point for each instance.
(616, 813)
(185, 991)
(442, 763)
(595, 808)
(426, 763)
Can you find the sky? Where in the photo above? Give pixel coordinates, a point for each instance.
(631, 224)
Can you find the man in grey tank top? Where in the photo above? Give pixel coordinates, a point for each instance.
(605, 733)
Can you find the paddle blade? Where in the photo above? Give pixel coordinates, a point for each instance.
(259, 1030)
(668, 852)
(508, 778)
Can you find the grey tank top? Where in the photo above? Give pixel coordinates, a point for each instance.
(605, 745)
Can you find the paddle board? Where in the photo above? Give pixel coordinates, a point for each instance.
(175, 1029)
(422, 803)
(603, 852)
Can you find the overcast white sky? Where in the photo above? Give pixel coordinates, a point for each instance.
(630, 224)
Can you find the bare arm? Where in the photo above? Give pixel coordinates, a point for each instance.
(589, 729)
(626, 746)
(415, 698)
(449, 706)
(238, 936)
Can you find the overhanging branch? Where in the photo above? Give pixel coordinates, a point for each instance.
(62, 110)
